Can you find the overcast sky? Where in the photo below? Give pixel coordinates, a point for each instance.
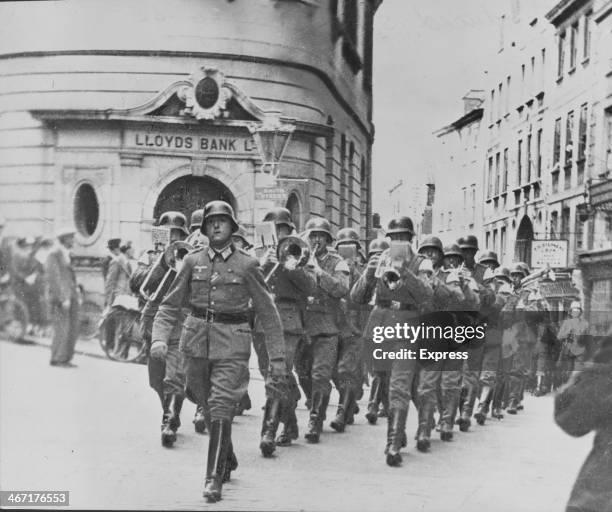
(427, 55)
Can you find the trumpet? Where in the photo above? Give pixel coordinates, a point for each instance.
(290, 247)
(164, 270)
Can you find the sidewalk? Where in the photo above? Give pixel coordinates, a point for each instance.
(83, 347)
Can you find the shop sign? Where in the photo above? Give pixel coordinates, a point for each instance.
(549, 253)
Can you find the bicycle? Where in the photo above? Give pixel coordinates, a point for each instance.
(120, 337)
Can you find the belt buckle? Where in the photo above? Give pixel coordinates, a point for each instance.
(210, 316)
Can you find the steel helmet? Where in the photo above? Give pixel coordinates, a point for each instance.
(453, 250)
(377, 246)
(432, 241)
(502, 273)
(320, 225)
(468, 242)
(174, 220)
(488, 257)
(400, 225)
(219, 208)
(196, 219)
(347, 236)
(517, 268)
(525, 267)
(242, 234)
(280, 215)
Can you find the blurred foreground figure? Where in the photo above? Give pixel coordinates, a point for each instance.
(583, 405)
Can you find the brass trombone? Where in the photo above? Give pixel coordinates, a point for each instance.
(290, 247)
(164, 270)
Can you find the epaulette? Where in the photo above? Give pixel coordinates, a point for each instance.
(245, 253)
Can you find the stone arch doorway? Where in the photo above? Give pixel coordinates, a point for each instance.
(188, 193)
(524, 237)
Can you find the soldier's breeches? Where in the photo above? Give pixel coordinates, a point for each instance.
(403, 373)
(490, 366)
(324, 351)
(441, 376)
(291, 346)
(349, 360)
(167, 376)
(219, 382)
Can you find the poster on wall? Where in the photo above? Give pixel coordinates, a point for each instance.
(549, 253)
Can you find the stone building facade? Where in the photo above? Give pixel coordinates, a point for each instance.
(112, 112)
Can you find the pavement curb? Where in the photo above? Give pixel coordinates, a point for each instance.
(46, 342)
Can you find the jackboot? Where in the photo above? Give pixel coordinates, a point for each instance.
(315, 421)
(231, 464)
(396, 431)
(540, 391)
(425, 422)
(483, 405)
(498, 397)
(512, 406)
(199, 420)
(270, 426)
(449, 410)
(374, 401)
(168, 435)
(383, 411)
(345, 405)
(464, 421)
(176, 405)
(290, 430)
(243, 405)
(218, 450)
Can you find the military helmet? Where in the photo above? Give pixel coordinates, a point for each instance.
(517, 268)
(488, 257)
(401, 224)
(219, 208)
(347, 236)
(525, 267)
(432, 241)
(280, 215)
(468, 242)
(242, 234)
(502, 273)
(377, 246)
(320, 225)
(196, 218)
(453, 250)
(174, 220)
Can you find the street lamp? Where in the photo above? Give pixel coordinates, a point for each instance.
(271, 137)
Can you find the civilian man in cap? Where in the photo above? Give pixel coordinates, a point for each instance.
(217, 284)
(63, 296)
(113, 251)
(119, 273)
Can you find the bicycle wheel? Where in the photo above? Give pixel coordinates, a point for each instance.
(89, 316)
(16, 319)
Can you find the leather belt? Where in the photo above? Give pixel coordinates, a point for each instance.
(392, 304)
(211, 316)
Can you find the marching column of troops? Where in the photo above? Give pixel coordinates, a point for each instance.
(309, 307)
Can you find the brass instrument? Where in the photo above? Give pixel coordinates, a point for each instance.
(290, 247)
(164, 270)
(391, 263)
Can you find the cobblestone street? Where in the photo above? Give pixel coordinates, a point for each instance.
(94, 431)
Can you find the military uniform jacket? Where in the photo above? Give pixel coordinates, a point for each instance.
(411, 295)
(224, 283)
(322, 310)
(291, 289)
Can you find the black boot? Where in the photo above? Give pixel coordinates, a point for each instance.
(290, 430)
(483, 405)
(218, 450)
(383, 411)
(467, 407)
(512, 406)
(540, 391)
(447, 418)
(176, 405)
(269, 427)
(372, 414)
(168, 435)
(199, 420)
(344, 407)
(396, 427)
(424, 433)
(317, 416)
(231, 464)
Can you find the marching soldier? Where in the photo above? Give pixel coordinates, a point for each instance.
(444, 375)
(396, 302)
(291, 286)
(321, 319)
(196, 238)
(165, 363)
(471, 368)
(379, 390)
(216, 285)
(347, 375)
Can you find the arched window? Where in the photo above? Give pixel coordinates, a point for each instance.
(86, 210)
(293, 205)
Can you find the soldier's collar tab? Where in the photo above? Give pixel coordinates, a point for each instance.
(224, 253)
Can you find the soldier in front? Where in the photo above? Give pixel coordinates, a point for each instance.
(216, 284)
